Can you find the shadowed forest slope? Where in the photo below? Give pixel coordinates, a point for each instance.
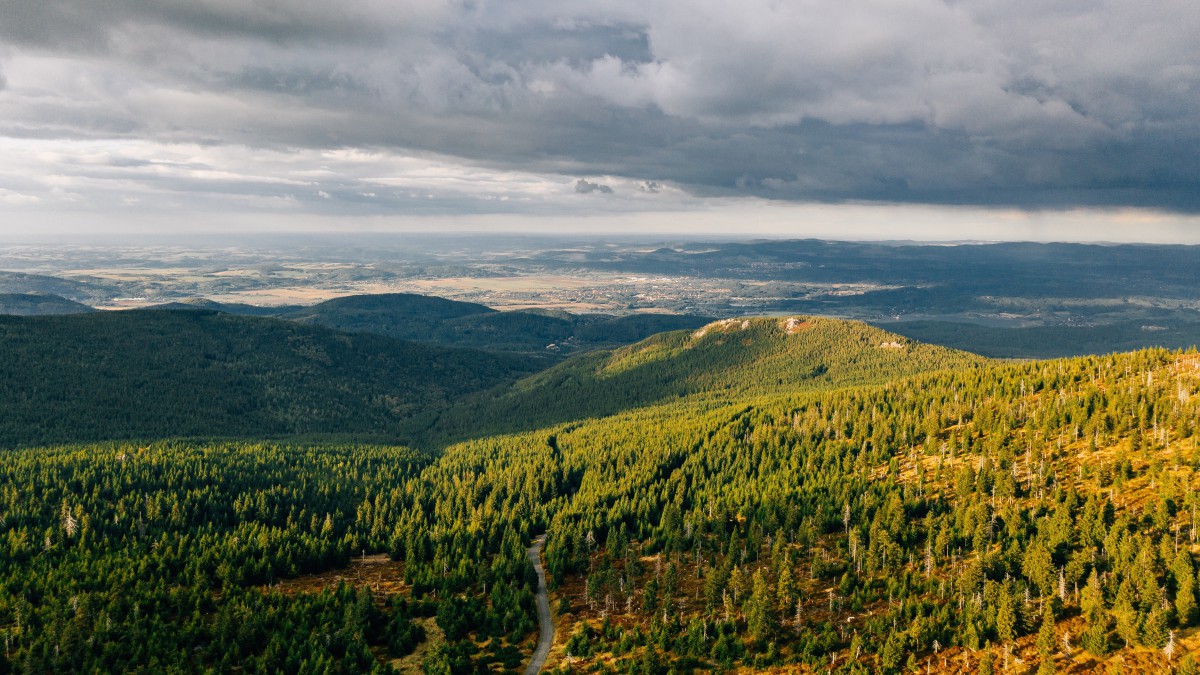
(431, 319)
(141, 374)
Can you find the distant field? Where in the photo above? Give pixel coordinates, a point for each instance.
(580, 294)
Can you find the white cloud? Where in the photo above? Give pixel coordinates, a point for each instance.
(163, 178)
(13, 198)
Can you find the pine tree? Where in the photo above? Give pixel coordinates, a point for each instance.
(760, 611)
(1038, 567)
(1091, 602)
(1047, 640)
(1154, 631)
(1005, 616)
(987, 664)
(787, 589)
(1185, 588)
(1128, 619)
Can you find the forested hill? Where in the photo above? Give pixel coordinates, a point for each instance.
(1006, 518)
(726, 360)
(143, 374)
(425, 318)
(39, 304)
(241, 309)
(405, 315)
(805, 496)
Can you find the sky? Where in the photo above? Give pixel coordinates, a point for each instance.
(891, 119)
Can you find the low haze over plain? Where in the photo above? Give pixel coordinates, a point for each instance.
(1024, 119)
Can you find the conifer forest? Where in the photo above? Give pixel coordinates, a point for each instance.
(789, 494)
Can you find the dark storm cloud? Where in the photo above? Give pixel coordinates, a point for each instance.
(90, 25)
(992, 102)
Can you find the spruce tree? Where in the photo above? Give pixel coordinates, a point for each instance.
(760, 611)
(1091, 602)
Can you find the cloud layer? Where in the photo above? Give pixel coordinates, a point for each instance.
(478, 106)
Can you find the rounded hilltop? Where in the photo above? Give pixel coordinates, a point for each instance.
(762, 354)
(726, 359)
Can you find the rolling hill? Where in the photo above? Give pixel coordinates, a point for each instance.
(238, 308)
(401, 315)
(89, 290)
(155, 374)
(1013, 516)
(39, 304)
(424, 318)
(770, 494)
(725, 360)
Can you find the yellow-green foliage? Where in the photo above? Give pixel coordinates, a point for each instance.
(727, 360)
(734, 509)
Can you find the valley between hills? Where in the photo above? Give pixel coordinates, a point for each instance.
(355, 487)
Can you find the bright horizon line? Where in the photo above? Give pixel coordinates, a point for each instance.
(737, 220)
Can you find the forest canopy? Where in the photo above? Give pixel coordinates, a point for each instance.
(807, 495)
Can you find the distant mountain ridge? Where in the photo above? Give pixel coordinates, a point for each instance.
(435, 320)
(1019, 268)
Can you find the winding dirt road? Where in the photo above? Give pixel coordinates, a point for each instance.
(545, 620)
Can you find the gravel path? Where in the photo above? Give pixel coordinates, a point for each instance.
(546, 637)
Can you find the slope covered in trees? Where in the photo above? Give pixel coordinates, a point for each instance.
(823, 496)
(1027, 516)
(431, 319)
(89, 290)
(402, 315)
(151, 557)
(39, 304)
(723, 361)
(146, 374)
(238, 308)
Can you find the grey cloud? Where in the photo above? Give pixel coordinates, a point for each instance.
(299, 81)
(584, 187)
(91, 25)
(576, 44)
(977, 102)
